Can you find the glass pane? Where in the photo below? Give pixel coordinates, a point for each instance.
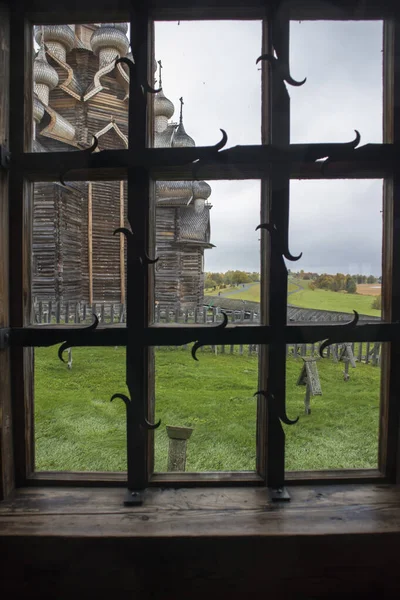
(216, 76)
(338, 227)
(78, 91)
(78, 265)
(342, 61)
(338, 429)
(76, 426)
(212, 402)
(208, 250)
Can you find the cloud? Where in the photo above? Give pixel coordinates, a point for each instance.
(337, 224)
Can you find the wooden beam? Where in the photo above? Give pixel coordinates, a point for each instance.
(20, 224)
(90, 241)
(389, 442)
(6, 437)
(122, 240)
(42, 11)
(372, 161)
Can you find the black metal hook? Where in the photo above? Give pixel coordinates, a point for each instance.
(281, 68)
(80, 333)
(132, 71)
(276, 239)
(85, 152)
(337, 331)
(342, 151)
(213, 151)
(200, 343)
(143, 257)
(144, 422)
(280, 413)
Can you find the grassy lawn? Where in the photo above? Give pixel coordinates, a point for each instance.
(252, 293)
(327, 300)
(77, 428)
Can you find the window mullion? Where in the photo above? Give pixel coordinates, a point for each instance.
(389, 462)
(278, 219)
(20, 214)
(137, 269)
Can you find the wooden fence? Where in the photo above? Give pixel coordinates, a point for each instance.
(47, 312)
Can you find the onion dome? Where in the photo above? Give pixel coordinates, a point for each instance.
(38, 109)
(201, 190)
(44, 76)
(181, 139)
(163, 108)
(59, 39)
(120, 26)
(109, 41)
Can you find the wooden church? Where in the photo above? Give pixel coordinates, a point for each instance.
(79, 93)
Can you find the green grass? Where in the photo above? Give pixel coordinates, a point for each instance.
(252, 293)
(77, 428)
(336, 301)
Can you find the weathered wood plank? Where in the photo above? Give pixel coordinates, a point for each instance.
(6, 437)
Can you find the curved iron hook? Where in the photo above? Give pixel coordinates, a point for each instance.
(216, 148)
(199, 344)
(345, 147)
(283, 68)
(127, 232)
(132, 66)
(146, 424)
(88, 150)
(282, 416)
(337, 331)
(273, 230)
(151, 426)
(123, 397)
(144, 259)
(66, 345)
(223, 141)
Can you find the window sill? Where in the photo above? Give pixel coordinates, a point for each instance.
(337, 510)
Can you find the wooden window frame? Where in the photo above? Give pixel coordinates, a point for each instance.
(17, 450)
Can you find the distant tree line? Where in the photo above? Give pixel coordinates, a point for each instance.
(222, 280)
(335, 283)
(308, 275)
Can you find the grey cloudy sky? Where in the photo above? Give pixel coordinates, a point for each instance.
(336, 224)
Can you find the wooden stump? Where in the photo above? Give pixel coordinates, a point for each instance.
(178, 437)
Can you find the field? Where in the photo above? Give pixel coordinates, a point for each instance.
(319, 299)
(251, 292)
(337, 301)
(77, 428)
(369, 289)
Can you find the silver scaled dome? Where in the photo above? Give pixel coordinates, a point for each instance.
(109, 41)
(59, 39)
(181, 139)
(201, 189)
(162, 106)
(38, 110)
(44, 76)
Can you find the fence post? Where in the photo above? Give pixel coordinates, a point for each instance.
(367, 354)
(178, 437)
